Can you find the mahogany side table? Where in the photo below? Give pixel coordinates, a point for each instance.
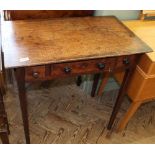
(46, 49)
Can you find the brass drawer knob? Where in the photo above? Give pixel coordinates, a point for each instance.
(101, 65)
(67, 69)
(35, 74)
(126, 61)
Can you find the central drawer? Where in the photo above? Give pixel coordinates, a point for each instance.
(82, 67)
(68, 69)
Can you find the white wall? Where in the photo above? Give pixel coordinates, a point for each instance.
(121, 14)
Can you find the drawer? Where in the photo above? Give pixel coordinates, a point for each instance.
(35, 73)
(82, 67)
(124, 62)
(51, 71)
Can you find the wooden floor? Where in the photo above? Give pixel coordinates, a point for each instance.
(64, 113)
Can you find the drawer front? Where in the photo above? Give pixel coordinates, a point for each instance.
(47, 72)
(124, 62)
(83, 67)
(35, 73)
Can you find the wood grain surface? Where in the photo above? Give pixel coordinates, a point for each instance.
(29, 42)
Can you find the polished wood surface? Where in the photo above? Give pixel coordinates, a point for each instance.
(39, 42)
(41, 14)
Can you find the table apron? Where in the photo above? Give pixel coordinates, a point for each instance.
(58, 70)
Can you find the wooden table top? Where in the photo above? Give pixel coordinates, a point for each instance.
(36, 42)
(145, 29)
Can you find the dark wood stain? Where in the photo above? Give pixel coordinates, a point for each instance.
(67, 39)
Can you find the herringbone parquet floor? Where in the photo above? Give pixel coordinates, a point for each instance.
(64, 113)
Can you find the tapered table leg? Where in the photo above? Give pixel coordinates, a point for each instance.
(103, 83)
(120, 97)
(20, 77)
(4, 137)
(95, 84)
(79, 80)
